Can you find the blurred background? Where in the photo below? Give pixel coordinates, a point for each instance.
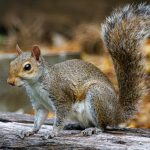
(64, 29)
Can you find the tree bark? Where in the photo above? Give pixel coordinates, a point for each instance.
(12, 124)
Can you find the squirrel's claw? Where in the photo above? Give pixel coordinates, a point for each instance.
(24, 134)
(91, 131)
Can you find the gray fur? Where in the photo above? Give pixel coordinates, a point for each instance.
(77, 89)
(124, 32)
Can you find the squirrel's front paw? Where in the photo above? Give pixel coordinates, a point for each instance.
(24, 134)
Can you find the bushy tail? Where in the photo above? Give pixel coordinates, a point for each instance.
(124, 33)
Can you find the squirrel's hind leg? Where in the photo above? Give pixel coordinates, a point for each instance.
(101, 100)
(91, 131)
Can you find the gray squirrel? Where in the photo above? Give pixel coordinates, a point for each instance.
(78, 90)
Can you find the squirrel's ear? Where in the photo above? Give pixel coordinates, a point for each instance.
(36, 52)
(18, 49)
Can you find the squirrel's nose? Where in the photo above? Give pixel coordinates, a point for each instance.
(11, 82)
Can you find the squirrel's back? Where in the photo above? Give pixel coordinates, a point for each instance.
(124, 33)
(77, 77)
(80, 71)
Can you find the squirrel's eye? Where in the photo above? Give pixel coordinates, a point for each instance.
(27, 67)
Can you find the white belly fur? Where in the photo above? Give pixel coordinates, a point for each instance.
(81, 113)
(80, 110)
(41, 96)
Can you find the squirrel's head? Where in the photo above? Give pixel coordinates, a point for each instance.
(26, 68)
